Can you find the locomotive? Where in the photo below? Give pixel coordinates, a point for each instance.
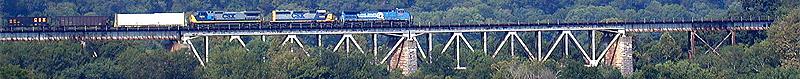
(301, 16)
(380, 16)
(216, 18)
(221, 17)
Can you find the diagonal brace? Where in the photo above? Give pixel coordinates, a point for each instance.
(239, 38)
(293, 38)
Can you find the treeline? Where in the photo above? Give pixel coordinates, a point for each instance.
(757, 54)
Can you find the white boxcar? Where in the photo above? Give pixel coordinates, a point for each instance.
(150, 20)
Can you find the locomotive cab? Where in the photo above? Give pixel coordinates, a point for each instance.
(203, 16)
(403, 12)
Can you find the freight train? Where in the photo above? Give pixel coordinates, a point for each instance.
(216, 18)
(57, 21)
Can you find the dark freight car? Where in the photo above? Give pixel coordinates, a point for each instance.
(71, 21)
(26, 21)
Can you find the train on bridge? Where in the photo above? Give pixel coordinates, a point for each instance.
(204, 19)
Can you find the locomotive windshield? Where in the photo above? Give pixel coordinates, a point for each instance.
(202, 15)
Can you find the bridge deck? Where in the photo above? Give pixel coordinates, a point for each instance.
(177, 33)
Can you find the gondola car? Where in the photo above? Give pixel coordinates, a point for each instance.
(81, 21)
(301, 16)
(39, 21)
(379, 16)
(223, 17)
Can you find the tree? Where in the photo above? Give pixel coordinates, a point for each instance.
(757, 8)
(612, 20)
(667, 48)
(15, 72)
(589, 13)
(291, 6)
(61, 9)
(136, 61)
(784, 38)
(670, 69)
(104, 68)
(656, 11)
(524, 70)
(458, 15)
(229, 60)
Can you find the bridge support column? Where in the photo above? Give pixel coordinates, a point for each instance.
(567, 36)
(430, 42)
(206, 44)
(484, 44)
(348, 38)
(513, 35)
(612, 44)
(691, 44)
(239, 38)
(621, 55)
(592, 62)
(375, 46)
(83, 46)
(458, 37)
(404, 53)
(294, 39)
(539, 45)
(733, 37)
(618, 53)
(595, 60)
(711, 49)
(566, 44)
(194, 50)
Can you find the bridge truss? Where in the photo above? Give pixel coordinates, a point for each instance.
(409, 34)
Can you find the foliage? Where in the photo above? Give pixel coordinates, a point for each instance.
(524, 70)
(669, 69)
(15, 72)
(784, 38)
(770, 54)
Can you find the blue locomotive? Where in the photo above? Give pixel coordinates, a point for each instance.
(301, 16)
(380, 16)
(211, 17)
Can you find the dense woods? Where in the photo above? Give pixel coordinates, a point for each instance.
(757, 54)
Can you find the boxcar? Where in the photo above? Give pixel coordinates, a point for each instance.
(205, 17)
(73, 21)
(150, 20)
(301, 16)
(393, 15)
(27, 21)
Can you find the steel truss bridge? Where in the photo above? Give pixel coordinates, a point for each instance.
(404, 52)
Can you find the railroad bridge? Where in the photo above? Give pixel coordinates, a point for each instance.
(404, 53)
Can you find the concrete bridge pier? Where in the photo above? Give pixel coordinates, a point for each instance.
(405, 57)
(404, 53)
(621, 55)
